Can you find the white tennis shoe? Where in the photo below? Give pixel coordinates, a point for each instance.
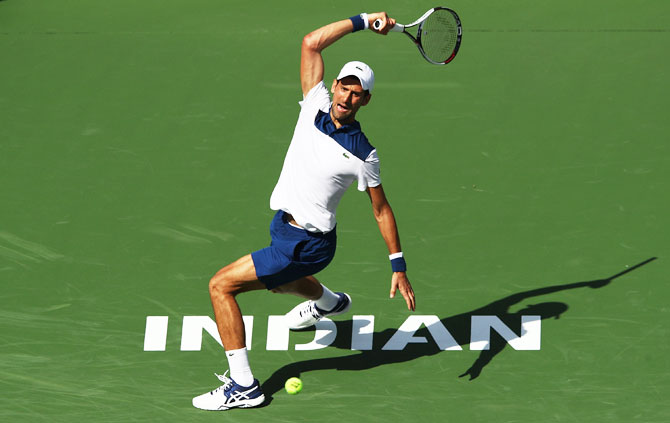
(230, 395)
(307, 313)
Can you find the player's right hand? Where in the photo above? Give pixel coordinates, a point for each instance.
(387, 22)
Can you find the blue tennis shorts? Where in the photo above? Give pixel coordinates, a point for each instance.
(293, 253)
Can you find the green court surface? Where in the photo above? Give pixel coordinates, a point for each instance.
(139, 145)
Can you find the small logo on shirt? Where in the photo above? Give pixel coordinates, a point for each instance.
(345, 155)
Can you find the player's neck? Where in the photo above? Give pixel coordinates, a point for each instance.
(340, 123)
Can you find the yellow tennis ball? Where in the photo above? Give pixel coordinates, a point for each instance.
(293, 385)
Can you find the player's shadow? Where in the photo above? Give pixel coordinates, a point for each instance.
(458, 325)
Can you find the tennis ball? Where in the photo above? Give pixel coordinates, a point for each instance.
(293, 385)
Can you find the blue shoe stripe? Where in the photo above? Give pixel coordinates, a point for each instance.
(342, 303)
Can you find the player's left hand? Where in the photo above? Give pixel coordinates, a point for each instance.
(400, 282)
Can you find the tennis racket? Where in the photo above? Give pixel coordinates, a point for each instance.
(438, 35)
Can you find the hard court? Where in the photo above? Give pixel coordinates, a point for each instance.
(139, 145)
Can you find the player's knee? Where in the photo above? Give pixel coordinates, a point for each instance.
(213, 286)
(219, 286)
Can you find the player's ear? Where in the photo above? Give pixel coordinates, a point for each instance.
(367, 98)
(332, 89)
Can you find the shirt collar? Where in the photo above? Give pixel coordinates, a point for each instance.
(349, 128)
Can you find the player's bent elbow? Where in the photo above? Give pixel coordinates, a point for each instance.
(311, 42)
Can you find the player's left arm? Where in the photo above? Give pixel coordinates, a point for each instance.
(389, 230)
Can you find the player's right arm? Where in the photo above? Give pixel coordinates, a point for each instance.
(311, 61)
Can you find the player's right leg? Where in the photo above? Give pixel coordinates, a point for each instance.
(234, 279)
(240, 389)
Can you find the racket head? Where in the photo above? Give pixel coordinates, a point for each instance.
(439, 36)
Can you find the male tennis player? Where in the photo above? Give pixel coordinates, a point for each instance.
(328, 152)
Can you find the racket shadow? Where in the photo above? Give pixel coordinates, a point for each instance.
(458, 325)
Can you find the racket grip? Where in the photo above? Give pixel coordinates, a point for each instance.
(395, 28)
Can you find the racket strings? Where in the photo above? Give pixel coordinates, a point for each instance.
(439, 36)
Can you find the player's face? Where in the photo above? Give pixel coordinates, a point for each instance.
(348, 97)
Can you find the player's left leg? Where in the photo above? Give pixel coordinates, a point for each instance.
(321, 302)
(307, 287)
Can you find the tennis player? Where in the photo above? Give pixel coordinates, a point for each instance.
(328, 152)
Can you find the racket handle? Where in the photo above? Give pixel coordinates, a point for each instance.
(395, 28)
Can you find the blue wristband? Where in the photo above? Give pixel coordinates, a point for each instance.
(398, 264)
(359, 23)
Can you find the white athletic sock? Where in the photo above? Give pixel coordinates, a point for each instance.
(238, 363)
(328, 300)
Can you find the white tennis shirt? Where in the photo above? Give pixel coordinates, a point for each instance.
(321, 163)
